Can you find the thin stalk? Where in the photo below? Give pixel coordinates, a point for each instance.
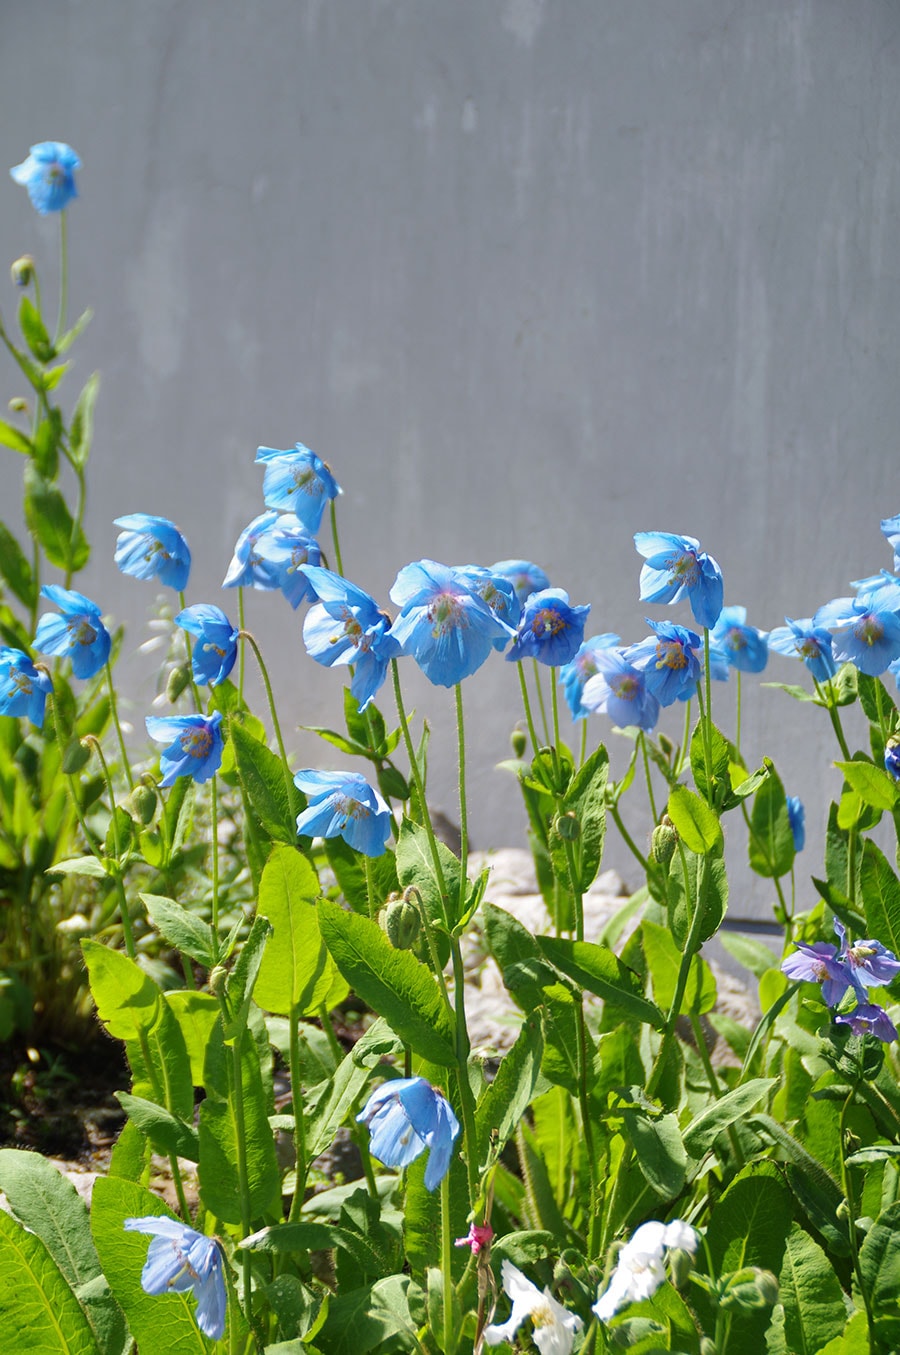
(463, 812)
(114, 711)
(299, 1123)
(370, 887)
(466, 1099)
(63, 276)
(334, 536)
(449, 1344)
(692, 945)
(554, 747)
(241, 657)
(79, 512)
(542, 707)
(684, 750)
(116, 876)
(626, 836)
(214, 845)
(828, 701)
(583, 753)
(420, 788)
(847, 1183)
(288, 779)
(527, 704)
(642, 740)
(195, 690)
(737, 718)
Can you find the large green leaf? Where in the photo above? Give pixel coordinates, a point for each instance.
(658, 1148)
(703, 1131)
(49, 519)
(586, 799)
(15, 569)
(46, 1202)
(182, 929)
(697, 825)
(879, 1264)
(771, 839)
(81, 429)
(261, 773)
(601, 972)
(393, 982)
(663, 960)
(811, 1295)
(297, 972)
(416, 867)
(873, 785)
(39, 1314)
(508, 1096)
(880, 895)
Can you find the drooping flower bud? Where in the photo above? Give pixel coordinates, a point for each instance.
(663, 841)
(176, 683)
(22, 270)
(401, 923)
(518, 742)
(141, 804)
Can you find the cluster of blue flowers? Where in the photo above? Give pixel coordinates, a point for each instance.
(848, 969)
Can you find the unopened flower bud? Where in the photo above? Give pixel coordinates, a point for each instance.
(663, 841)
(401, 923)
(76, 756)
(682, 1263)
(141, 804)
(518, 741)
(666, 744)
(18, 405)
(22, 271)
(177, 682)
(568, 827)
(217, 977)
(749, 1288)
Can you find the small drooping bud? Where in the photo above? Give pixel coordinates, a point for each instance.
(18, 405)
(22, 270)
(141, 804)
(76, 756)
(663, 841)
(401, 923)
(748, 1289)
(518, 741)
(217, 977)
(177, 682)
(568, 827)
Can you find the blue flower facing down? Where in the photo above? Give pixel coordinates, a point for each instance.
(891, 529)
(525, 577)
(76, 632)
(574, 674)
(283, 548)
(803, 640)
(797, 817)
(153, 548)
(179, 1259)
(346, 626)
(869, 1019)
(299, 482)
(669, 662)
(215, 651)
(343, 804)
(619, 689)
(861, 634)
(447, 628)
(23, 688)
(676, 567)
(194, 745)
(405, 1117)
(743, 647)
(49, 176)
(248, 568)
(550, 630)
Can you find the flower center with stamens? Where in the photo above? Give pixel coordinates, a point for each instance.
(547, 622)
(196, 742)
(670, 654)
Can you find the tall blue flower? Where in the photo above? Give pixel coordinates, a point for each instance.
(448, 629)
(179, 1259)
(806, 641)
(77, 633)
(284, 547)
(891, 529)
(669, 662)
(248, 569)
(49, 176)
(406, 1116)
(299, 482)
(497, 591)
(153, 548)
(797, 819)
(744, 647)
(861, 634)
(194, 745)
(676, 567)
(23, 688)
(550, 630)
(525, 577)
(343, 804)
(573, 675)
(619, 689)
(346, 626)
(213, 655)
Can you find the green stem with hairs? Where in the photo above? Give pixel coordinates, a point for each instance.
(527, 705)
(63, 276)
(334, 536)
(420, 789)
(114, 711)
(288, 778)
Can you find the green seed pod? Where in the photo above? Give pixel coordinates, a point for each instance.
(518, 741)
(142, 804)
(177, 682)
(663, 841)
(401, 923)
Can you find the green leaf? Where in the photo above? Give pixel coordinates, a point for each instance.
(664, 960)
(297, 972)
(364, 1318)
(81, 429)
(715, 790)
(48, 519)
(77, 329)
(343, 1089)
(11, 437)
(879, 1264)
(46, 445)
(696, 882)
(880, 894)
(15, 568)
(658, 1148)
(262, 778)
(79, 865)
(34, 331)
(873, 785)
(771, 839)
(697, 825)
(702, 1132)
(223, 1126)
(241, 981)
(182, 929)
(48, 1204)
(393, 982)
(167, 1133)
(602, 973)
(810, 1292)
(38, 1311)
(196, 1014)
(586, 799)
(525, 971)
(508, 1096)
(753, 955)
(163, 1322)
(415, 867)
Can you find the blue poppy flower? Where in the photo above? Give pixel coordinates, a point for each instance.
(803, 640)
(23, 688)
(861, 634)
(343, 804)
(892, 758)
(676, 566)
(248, 569)
(179, 1259)
(871, 964)
(619, 689)
(525, 577)
(153, 548)
(743, 647)
(77, 634)
(550, 630)
(880, 591)
(299, 482)
(346, 626)
(869, 1019)
(891, 529)
(406, 1116)
(573, 675)
(282, 548)
(49, 176)
(195, 747)
(448, 629)
(820, 963)
(497, 591)
(797, 817)
(213, 656)
(669, 662)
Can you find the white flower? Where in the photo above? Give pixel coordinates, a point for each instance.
(639, 1269)
(554, 1327)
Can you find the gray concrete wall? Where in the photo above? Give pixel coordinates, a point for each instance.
(530, 274)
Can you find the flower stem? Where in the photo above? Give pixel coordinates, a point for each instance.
(63, 276)
(288, 779)
(299, 1125)
(463, 813)
(541, 705)
(449, 1341)
(127, 932)
(214, 846)
(114, 711)
(241, 625)
(527, 705)
(334, 536)
(420, 790)
(827, 698)
(642, 740)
